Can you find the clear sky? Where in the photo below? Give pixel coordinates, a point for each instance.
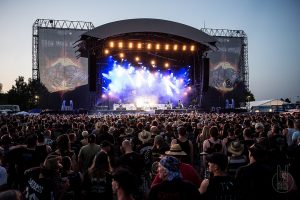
(272, 26)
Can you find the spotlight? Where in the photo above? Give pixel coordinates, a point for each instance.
(149, 46)
(121, 55)
(184, 48)
(137, 58)
(111, 44)
(139, 46)
(130, 45)
(175, 47)
(192, 48)
(106, 51)
(120, 45)
(166, 65)
(157, 46)
(152, 62)
(167, 47)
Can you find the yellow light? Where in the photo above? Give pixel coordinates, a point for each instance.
(152, 62)
(175, 47)
(149, 46)
(130, 45)
(137, 59)
(167, 47)
(166, 65)
(157, 46)
(106, 51)
(139, 45)
(192, 48)
(120, 45)
(121, 55)
(184, 48)
(111, 44)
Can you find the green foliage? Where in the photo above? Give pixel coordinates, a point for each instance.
(249, 96)
(26, 95)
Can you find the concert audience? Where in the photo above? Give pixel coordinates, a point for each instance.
(24, 149)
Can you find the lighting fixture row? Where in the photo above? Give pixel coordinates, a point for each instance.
(149, 46)
(138, 60)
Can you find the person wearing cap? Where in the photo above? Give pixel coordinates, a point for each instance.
(188, 172)
(255, 179)
(219, 185)
(172, 185)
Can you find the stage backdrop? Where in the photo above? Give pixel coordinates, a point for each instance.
(225, 74)
(64, 75)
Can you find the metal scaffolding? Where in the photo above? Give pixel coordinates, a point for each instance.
(51, 24)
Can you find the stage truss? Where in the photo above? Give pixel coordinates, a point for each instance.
(236, 34)
(51, 24)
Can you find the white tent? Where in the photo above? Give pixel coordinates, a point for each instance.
(266, 105)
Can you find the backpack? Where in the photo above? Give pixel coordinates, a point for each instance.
(214, 147)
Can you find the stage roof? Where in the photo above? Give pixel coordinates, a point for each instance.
(147, 25)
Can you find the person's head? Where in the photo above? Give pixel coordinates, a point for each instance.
(217, 162)
(63, 142)
(126, 145)
(176, 151)
(214, 132)
(85, 134)
(144, 136)
(91, 138)
(52, 163)
(181, 130)
(275, 129)
(205, 132)
(123, 179)
(247, 133)
(259, 127)
(158, 140)
(100, 165)
(257, 153)
(235, 148)
(66, 163)
(106, 146)
(168, 168)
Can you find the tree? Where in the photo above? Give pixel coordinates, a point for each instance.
(26, 95)
(249, 96)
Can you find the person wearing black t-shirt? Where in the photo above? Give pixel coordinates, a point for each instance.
(220, 185)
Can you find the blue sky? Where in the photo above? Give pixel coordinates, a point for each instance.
(272, 27)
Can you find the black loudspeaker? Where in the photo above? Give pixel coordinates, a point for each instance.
(92, 70)
(205, 74)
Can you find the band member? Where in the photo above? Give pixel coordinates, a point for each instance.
(180, 105)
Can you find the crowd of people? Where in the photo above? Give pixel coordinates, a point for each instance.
(150, 156)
